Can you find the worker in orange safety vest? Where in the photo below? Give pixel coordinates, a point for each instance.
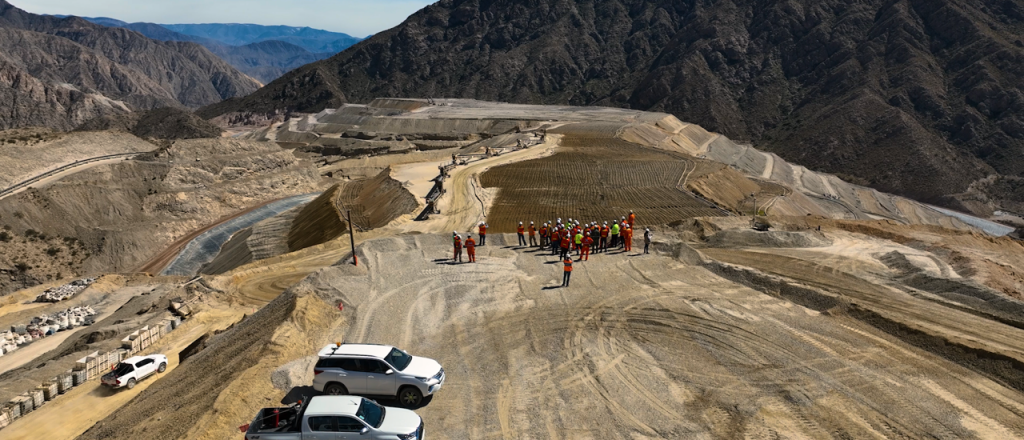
(471, 248)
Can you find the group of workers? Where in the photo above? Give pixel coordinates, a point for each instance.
(565, 237)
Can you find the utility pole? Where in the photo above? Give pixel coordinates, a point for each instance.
(755, 205)
(352, 238)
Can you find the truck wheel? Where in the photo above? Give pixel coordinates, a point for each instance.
(336, 389)
(131, 383)
(163, 367)
(410, 397)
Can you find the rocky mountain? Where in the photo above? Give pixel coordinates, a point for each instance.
(921, 98)
(232, 34)
(61, 72)
(263, 59)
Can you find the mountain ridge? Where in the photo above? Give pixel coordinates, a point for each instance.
(59, 73)
(922, 99)
(261, 56)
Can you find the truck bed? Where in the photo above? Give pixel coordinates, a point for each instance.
(289, 421)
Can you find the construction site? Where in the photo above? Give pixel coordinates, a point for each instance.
(775, 302)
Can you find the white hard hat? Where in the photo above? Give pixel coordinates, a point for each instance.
(531, 223)
(520, 222)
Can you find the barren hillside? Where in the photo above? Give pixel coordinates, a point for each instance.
(918, 98)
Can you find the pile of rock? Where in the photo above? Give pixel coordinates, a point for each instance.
(43, 326)
(61, 293)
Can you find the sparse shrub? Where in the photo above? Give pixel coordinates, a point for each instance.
(53, 251)
(22, 266)
(31, 233)
(5, 236)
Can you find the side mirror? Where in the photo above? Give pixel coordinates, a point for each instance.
(364, 431)
(389, 372)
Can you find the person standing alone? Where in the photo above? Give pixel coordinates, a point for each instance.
(648, 236)
(483, 234)
(566, 271)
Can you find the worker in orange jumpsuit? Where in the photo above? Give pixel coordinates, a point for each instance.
(587, 242)
(566, 271)
(631, 220)
(627, 238)
(483, 234)
(566, 241)
(520, 230)
(458, 247)
(471, 248)
(533, 234)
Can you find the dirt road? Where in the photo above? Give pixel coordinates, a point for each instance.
(648, 347)
(72, 414)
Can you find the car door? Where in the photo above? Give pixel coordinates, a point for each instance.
(322, 428)
(355, 375)
(378, 383)
(351, 429)
(143, 368)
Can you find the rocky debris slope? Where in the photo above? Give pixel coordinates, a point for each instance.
(918, 98)
(60, 72)
(163, 123)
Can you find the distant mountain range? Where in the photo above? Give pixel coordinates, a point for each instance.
(61, 72)
(923, 98)
(262, 52)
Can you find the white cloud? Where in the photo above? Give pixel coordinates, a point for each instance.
(355, 17)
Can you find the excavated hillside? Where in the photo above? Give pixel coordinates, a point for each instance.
(374, 202)
(918, 98)
(167, 123)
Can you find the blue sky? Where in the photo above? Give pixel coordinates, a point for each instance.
(354, 17)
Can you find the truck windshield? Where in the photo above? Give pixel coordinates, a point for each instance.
(371, 413)
(399, 359)
(123, 369)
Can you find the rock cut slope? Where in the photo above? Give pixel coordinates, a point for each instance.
(918, 98)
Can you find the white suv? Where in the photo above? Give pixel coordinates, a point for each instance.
(376, 370)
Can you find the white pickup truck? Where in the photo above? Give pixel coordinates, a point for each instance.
(130, 371)
(335, 418)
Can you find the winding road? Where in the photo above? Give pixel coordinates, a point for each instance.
(64, 171)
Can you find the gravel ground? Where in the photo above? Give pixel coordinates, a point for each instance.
(640, 346)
